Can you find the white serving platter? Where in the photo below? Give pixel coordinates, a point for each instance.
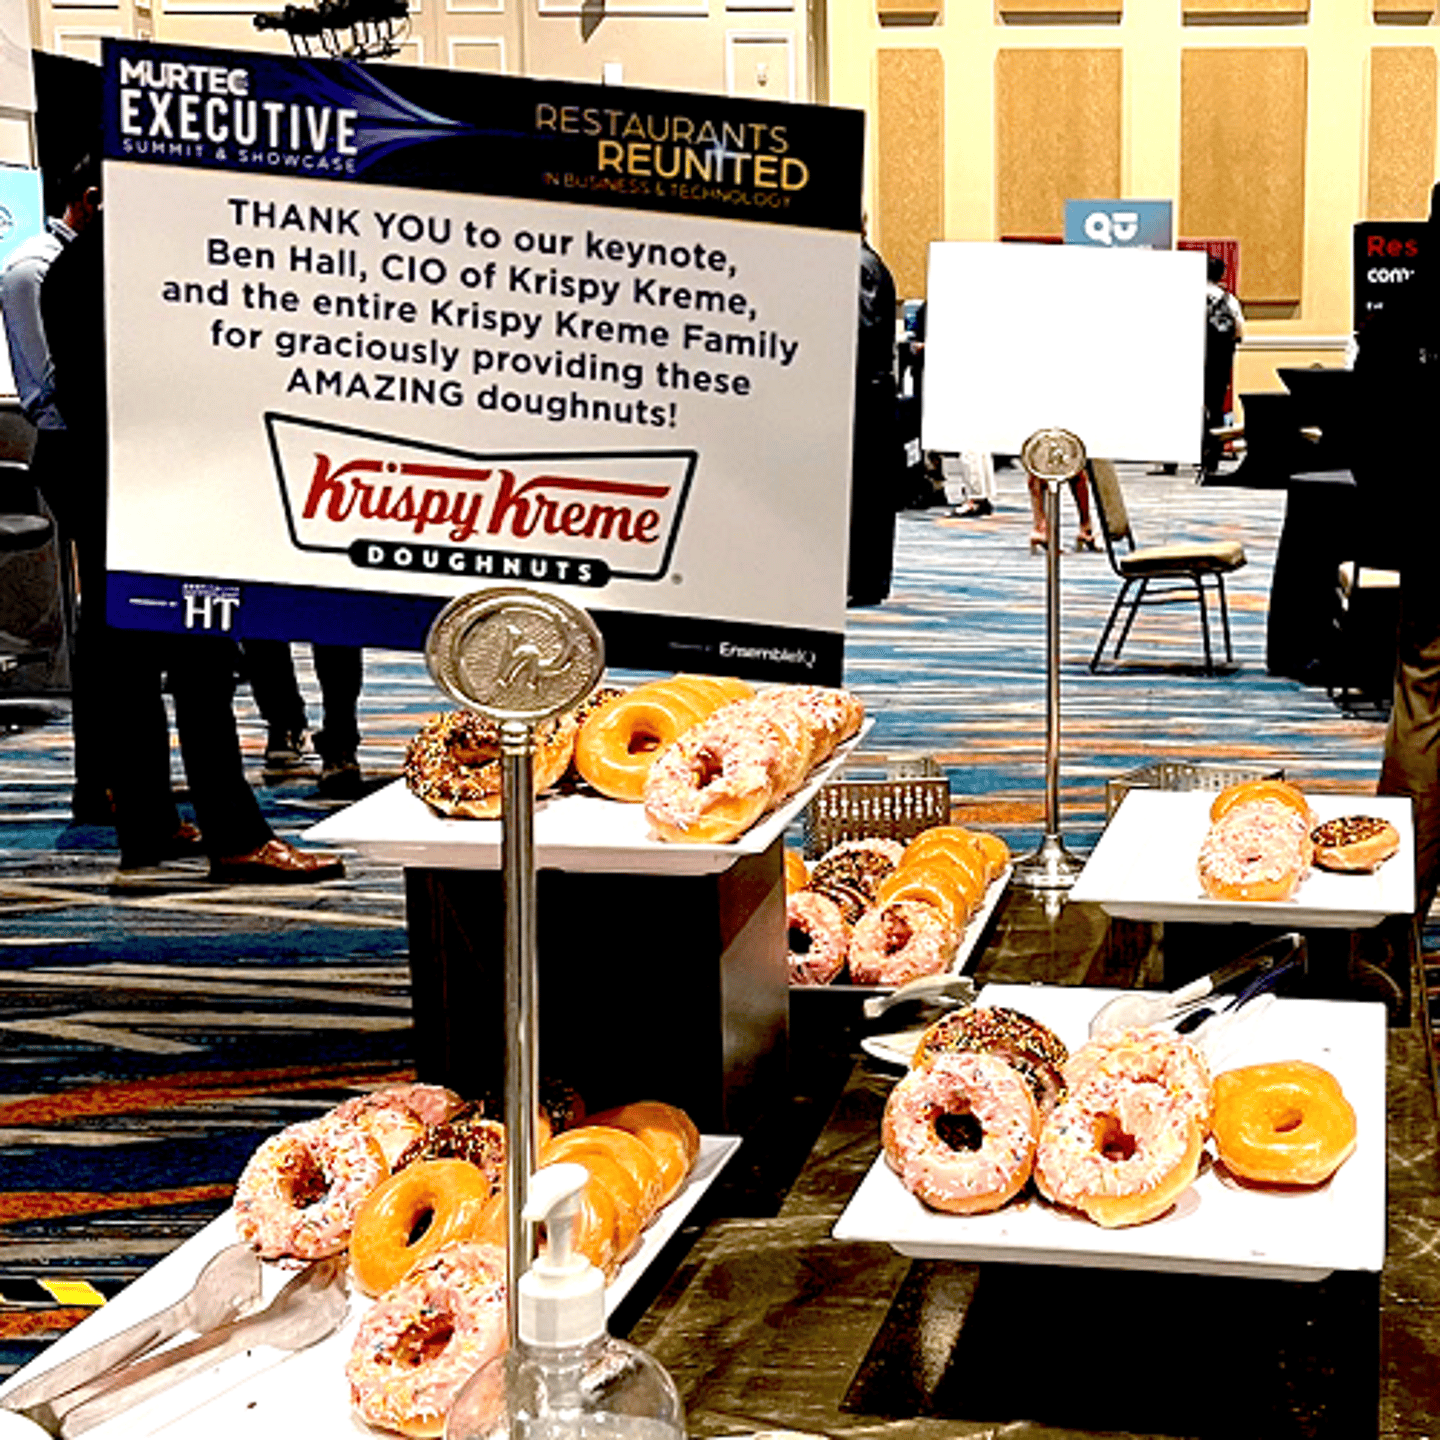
(1219, 1226)
(575, 832)
(1144, 867)
(266, 1392)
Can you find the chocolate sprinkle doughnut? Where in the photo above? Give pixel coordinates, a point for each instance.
(466, 1135)
(1027, 1046)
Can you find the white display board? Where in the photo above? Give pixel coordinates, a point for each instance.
(380, 337)
(1108, 344)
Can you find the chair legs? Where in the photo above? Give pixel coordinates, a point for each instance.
(1125, 600)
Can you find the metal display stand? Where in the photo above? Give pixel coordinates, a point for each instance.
(1053, 457)
(518, 657)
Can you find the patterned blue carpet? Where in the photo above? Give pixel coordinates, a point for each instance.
(154, 1028)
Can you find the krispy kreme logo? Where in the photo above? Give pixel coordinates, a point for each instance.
(579, 518)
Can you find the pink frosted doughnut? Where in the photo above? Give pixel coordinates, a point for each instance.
(819, 938)
(427, 1336)
(961, 1132)
(300, 1190)
(1150, 1054)
(1120, 1151)
(398, 1115)
(717, 779)
(898, 940)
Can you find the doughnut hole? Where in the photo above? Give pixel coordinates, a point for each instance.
(304, 1181)
(898, 933)
(962, 1131)
(707, 767)
(1287, 1119)
(423, 1341)
(799, 941)
(1112, 1140)
(643, 740)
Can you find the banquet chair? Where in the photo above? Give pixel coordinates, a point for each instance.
(1158, 574)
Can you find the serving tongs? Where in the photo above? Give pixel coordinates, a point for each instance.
(310, 1306)
(952, 990)
(1149, 1007)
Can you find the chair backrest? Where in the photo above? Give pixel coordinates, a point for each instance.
(1110, 502)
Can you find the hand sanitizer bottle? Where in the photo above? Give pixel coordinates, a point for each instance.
(565, 1377)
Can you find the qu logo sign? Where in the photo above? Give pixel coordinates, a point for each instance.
(1118, 224)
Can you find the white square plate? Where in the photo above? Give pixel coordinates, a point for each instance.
(1218, 1226)
(1144, 867)
(267, 1392)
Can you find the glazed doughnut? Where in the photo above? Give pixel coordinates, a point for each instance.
(411, 1215)
(399, 1115)
(995, 851)
(666, 1131)
(1249, 792)
(615, 1195)
(619, 740)
(453, 763)
(1033, 1050)
(425, 1338)
(1259, 850)
(716, 780)
(630, 1153)
(797, 873)
(818, 938)
(960, 1133)
(299, 1191)
(1148, 1054)
(1120, 1151)
(932, 883)
(898, 940)
(1286, 1123)
(1354, 843)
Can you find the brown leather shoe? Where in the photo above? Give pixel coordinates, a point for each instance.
(277, 863)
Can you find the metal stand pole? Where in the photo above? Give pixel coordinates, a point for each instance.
(518, 657)
(522, 1070)
(1053, 456)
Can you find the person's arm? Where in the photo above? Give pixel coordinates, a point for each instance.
(25, 336)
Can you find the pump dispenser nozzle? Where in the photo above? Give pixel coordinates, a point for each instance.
(562, 1295)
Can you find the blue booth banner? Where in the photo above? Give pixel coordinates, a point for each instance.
(1141, 224)
(380, 336)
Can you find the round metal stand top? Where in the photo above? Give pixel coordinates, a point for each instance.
(1053, 455)
(515, 654)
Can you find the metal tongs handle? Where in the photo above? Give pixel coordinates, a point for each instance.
(1259, 961)
(307, 1309)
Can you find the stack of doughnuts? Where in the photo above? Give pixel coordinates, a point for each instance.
(638, 1156)
(1115, 1132)
(960, 1129)
(889, 913)
(719, 777)
(1258, 846)
(412, 1180)
(619, 739)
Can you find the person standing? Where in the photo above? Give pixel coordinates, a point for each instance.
(1224, 330)
(134, 665)
(30, 363)
(877, 454)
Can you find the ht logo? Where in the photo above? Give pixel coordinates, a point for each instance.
(209, 610)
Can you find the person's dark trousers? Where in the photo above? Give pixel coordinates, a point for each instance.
(340, 671)
(80, 527)
(271, 673)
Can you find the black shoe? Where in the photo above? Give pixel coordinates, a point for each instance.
(91, 805)
(284, 752)
(974, 509)
(184, 842)
(341, 779)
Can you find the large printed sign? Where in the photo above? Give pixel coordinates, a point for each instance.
(383, 336)
(1388, 260)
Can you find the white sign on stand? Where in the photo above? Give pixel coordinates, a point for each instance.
(1107, 344)
(384, 336)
